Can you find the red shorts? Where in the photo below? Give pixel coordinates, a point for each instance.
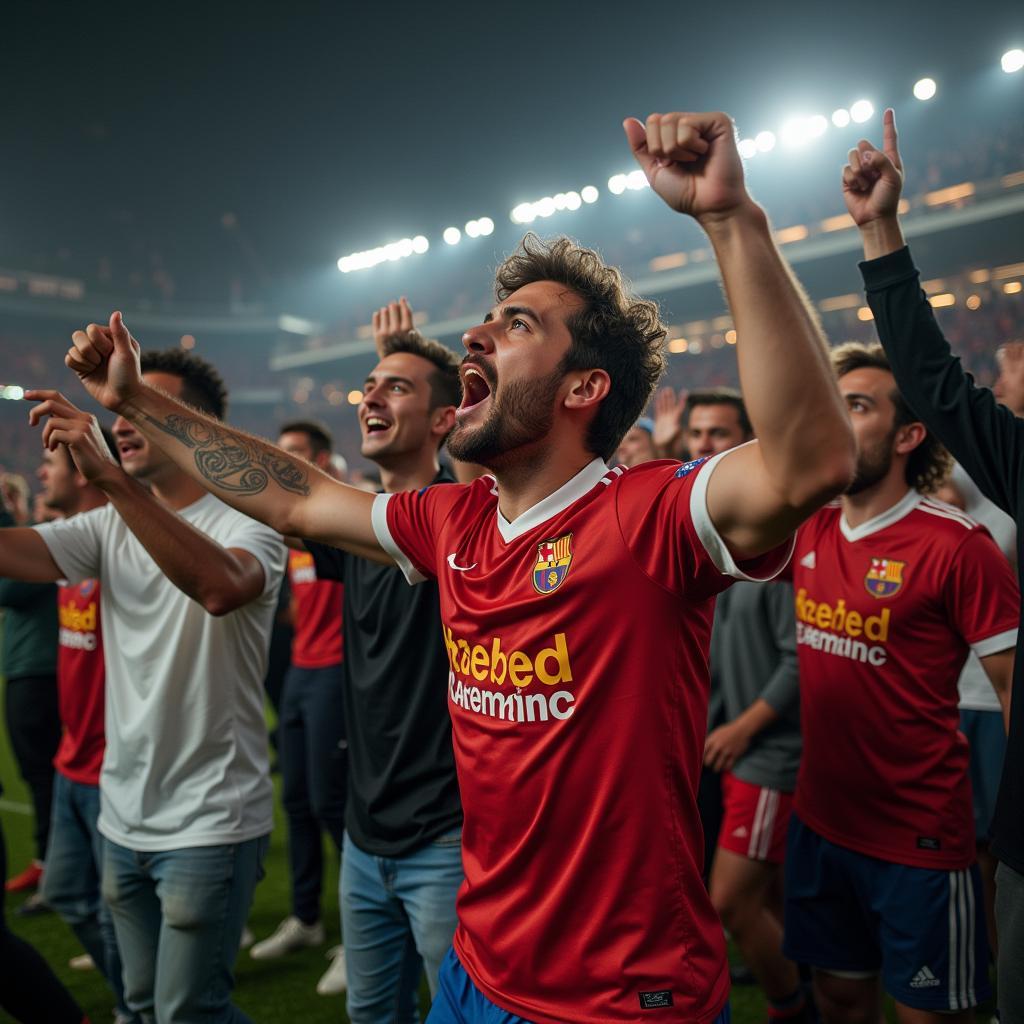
(754, 820)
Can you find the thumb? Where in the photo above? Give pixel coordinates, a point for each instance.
(120, 334)
(875, 160)
(636, 134)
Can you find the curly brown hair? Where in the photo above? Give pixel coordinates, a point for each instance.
(614, 331)
(929, 463)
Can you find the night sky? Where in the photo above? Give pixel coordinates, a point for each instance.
(326, 128)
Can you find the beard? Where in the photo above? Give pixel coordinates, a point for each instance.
(873, 464)
(520, 416)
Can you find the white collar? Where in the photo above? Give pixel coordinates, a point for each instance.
(891, 515)
(547, 508)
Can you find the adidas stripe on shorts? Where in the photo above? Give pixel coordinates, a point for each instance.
(922, 928)
(754, 820)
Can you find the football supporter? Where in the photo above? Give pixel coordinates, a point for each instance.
(311, 732)
(893, 589)
(985, 438)
(637, 447)
(756, 749)
(402, 865)
(74, 859)
(698, 424)
(578, 729)
(189, 590)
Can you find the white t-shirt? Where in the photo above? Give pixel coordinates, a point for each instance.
(186, 761)
(976, 692)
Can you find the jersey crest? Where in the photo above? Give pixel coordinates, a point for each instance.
(885, 577)
(553, 560)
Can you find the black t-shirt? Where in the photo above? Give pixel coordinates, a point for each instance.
(402, 788)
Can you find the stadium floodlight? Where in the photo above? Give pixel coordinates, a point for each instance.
(383, 253)
(1012, 61)
(765, 141)
(420, 244)
(589, 194)
(636, 180)
(798, 131)
(862, 111)
(452, 235)
(617, 184)
(523, 213)
(573, 201)
(924, 88)
(841, 117)
(472, 229)
(485, 225)
(747, 148)
(545, 207)
(13, 392)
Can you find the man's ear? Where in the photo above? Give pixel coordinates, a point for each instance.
(909, 437)
(442, 419)
(587, 388)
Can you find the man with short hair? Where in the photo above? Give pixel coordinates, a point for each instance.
(402, 866)
(715, 420)
(893, 589)
(984, 437)
(311, 731)
(637, 447)
(74, 860)
(578, 729)
(189, 593)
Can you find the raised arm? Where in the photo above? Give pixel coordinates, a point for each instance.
(24, 556)
(805, 453)
(248, 473)
(984, 436)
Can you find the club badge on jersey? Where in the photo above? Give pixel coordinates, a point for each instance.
(553, 560)
(885, 577)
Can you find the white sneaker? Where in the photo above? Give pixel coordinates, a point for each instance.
(335, 979)
(82, 962)
(291, 934)
(247, 938)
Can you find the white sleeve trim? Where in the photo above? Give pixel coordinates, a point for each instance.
(710, 537)
(995, 644)
(379, 518)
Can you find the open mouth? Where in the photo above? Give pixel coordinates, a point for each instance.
(126, 449)
(476, 389)
(376, 424)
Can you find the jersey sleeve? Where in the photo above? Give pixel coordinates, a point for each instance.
(76, 544)
(408, 525)
(982, 595)
(263, 544)
(663, 515)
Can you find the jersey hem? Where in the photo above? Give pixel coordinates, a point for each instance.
(153, 844)
(881, 853)
(538, 1016)
(80, 777)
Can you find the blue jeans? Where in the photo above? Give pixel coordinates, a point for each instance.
(314, 759)
(179, 917)
(397, 919)
(71, 882)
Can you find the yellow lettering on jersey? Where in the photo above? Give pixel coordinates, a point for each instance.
(839, 619)
(82, 620)
(487, 661)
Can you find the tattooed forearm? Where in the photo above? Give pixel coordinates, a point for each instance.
(231, 461)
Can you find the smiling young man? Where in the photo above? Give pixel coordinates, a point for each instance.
(578, 729)
(892, 590)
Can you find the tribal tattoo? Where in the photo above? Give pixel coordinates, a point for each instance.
(232, 462)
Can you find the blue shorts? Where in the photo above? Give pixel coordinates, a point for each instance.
(986, 735)
(459, 1001)
(922, 928)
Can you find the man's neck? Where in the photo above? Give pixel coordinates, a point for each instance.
(536, 473)
(873, 501)
(89, 499)
(410, 474)
(177, 490)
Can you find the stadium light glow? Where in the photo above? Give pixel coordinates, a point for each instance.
(747, 148)
(452, 235)
(862, 111)
(589, 194)
(354, 397)
(1012, 61)
(13, 392)
(798, 131)
(384, 253)
(472, 229)
(924, 88)
(617, 184)
(765, 141)
(841, 117)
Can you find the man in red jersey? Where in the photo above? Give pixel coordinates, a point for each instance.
(578, 704)
(311, 732)
(74, 859)
(893, 589)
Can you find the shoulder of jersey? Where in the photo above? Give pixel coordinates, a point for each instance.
(944, 518)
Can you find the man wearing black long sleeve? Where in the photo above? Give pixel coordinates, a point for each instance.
(985, 438)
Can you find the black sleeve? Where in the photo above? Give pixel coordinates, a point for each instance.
(329, 562)
(982, 435)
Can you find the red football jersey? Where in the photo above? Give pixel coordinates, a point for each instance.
(81, 679)
(578, 638)
(317, 641)
(886, 613)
